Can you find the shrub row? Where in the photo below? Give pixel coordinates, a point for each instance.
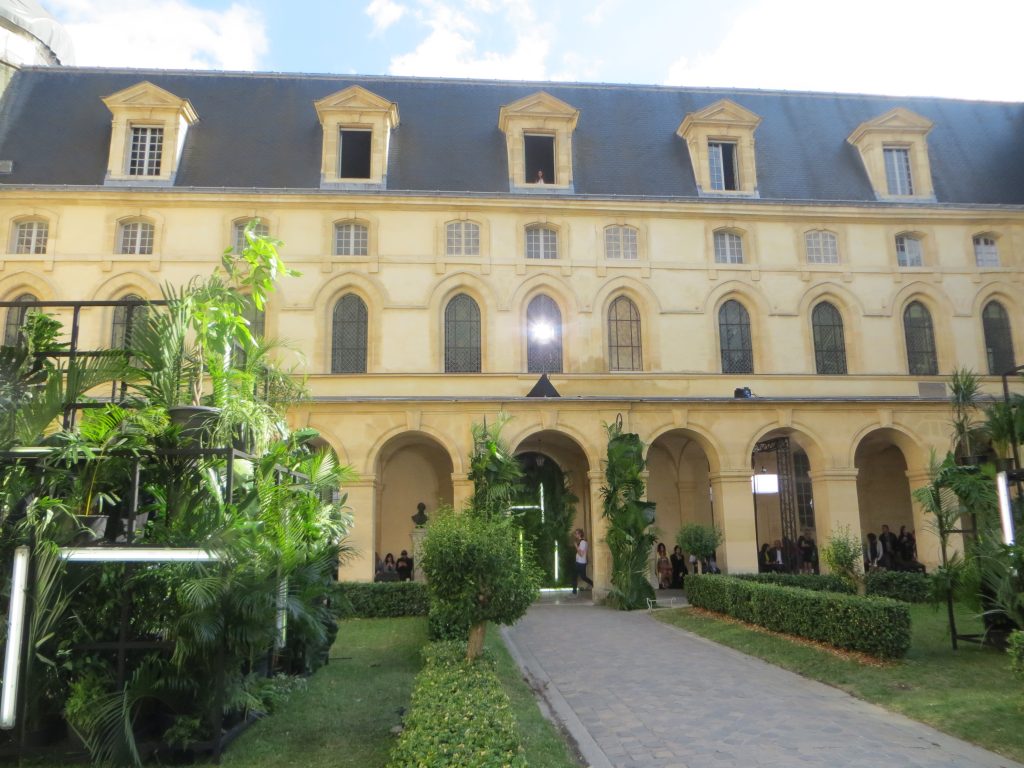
(874, 625)
(1015, 649)
(899, 585)
(459, 716)
(813, 581)
(386, 599)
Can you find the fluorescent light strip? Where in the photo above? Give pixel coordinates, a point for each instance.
(137, 555)
(15, 632)
(1005, 510)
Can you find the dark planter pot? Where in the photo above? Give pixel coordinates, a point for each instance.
(970, 461)
(196, 421)
(1004, 465)
(139, 528)
(95, 529)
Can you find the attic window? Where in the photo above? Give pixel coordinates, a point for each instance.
(355, 153)
(722, 165)
(540, 158)
(146, 152)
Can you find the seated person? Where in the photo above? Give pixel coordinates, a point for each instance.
(386, 571)
(403, 566)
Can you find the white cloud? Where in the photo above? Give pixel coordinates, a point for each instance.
(450, 48)
(162, 34)
(912, 47)
(384, 13)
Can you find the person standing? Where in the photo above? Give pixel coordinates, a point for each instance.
(582, 552)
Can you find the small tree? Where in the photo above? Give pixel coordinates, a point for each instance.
(965, 392)
(477, 572)
(844, 557)
(699, 540)
(496, 474)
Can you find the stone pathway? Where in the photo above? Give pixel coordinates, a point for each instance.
(636, 693)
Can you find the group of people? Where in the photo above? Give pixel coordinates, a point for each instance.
(785, 555)
(390, 569)
(671, 570)
(891, 552)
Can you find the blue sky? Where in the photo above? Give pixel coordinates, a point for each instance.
(900, 47)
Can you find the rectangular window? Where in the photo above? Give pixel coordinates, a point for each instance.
(540, 159)
(908, 251)
(722, 164)
(541, 243)
(136, 238)
(32, 237)
(986, 253)
(354, 151)
(620, 243)
(146, 152)
(897, 171)
(351, 240)
(463, 239)
(822, 248)
(728, 248)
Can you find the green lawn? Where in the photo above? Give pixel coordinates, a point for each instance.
(968, 693)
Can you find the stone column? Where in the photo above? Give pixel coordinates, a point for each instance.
(600, 555)
(929, 548)
(836, 505)
(417, 536)
(362, 502)
(733, 514)
(462, 490)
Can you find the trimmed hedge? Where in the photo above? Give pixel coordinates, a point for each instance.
(460, 716)
(1015, 649)
(874, 625)
(899, 585)
(383, 600)
(813, 581)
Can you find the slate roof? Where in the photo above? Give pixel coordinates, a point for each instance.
(261, 130)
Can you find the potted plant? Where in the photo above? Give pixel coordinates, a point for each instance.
(1004, 425)
(700, 541)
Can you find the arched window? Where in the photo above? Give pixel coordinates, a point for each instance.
(624, 336)
(822, 247)
(734, 335)
(126, 319)
(829, 341)
(908, 251)
(543, 336)
(462, 238)
(462, 335)
(135, 238)
(31, 236)
(620, 243)
(541, 243)
(998, 339)
(917, 327)
(259, 230)
(986, 252)
(16, 319)
(728, 248)
(351, 239)
(348, 335)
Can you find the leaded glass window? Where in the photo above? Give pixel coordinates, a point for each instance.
(31, 236)
(897, 171)
(620, 243)
(146, 152)
(986, 252)
(541, 243)
(348, 335)
(829, 341)
(998, 339)
(908, 251)
(920, 335)
(624, 349)
(734, 334)
(543, 336)
(16, 319)
(462, 335)
(136, 238)
(822, 247)
(728, 248)
(126, 320)
(351, 239)
(462, 238)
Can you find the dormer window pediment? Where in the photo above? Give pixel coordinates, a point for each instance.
(538, 138)
(894, 150)
(147, 134)
(720, 140)
(357, 127)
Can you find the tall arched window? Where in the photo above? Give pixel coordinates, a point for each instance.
(734, 335)
(829, 341)
(462, 335)
(543, 336)
(998, 339)
(624, 336)
(126, 318)
(920, 335)
(348, 335)
(16, 319)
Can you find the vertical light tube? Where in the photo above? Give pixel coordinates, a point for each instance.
(1005, 510)
(282, 614)
(15, 634)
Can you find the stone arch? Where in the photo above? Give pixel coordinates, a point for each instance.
(443, 292)
(372, 293)
(709, 444)
(372, 455)
(649, 308)
(679, 470)
(13, 286)
(940, 309)
(590, 452)
(851, 310)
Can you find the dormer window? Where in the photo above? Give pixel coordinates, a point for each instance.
(720, 139)
(538, 138)
(894, 150)
(148, 134)
(357, 127)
